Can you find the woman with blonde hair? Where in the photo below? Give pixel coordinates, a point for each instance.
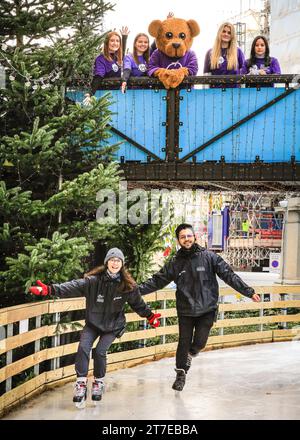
(225, 58)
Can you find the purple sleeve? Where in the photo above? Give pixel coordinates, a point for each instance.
(99, 68)
(244, 70)
(275, 67)
(241, 60)
(192, 63)
(206, 68)
(127, 62)
(153, 63)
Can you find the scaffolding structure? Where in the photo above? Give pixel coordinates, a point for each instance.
(250, 246)
(252, 20)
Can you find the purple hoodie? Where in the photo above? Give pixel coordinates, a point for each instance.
(273, 68)
(160, 60)
(136, 70)
(222, 69)
(105, 68)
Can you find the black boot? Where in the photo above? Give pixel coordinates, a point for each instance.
(180, 380)
(189, 362)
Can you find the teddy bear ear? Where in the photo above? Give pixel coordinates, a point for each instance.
(154, 27)
(195, 29)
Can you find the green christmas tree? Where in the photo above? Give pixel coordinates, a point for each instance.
(54, 154)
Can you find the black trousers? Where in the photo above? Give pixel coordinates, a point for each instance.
(87, 339)
(193, 335)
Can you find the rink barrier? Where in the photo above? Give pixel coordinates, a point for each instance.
(18, 316)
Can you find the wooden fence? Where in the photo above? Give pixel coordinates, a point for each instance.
(15, 320)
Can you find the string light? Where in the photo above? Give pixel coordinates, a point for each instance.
(34, 83)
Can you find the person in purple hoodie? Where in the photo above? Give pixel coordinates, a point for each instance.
(225, 58)
(173, 59)
(109, 63)
(260, 62)
(136, 64)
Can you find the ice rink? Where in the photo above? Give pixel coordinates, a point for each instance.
(253, 382)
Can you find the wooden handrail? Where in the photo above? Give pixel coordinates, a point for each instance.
(131, 357)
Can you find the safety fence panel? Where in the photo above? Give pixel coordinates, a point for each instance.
(137, 120)
(270, 136)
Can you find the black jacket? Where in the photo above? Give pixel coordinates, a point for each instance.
(104, 303)
(194, 272)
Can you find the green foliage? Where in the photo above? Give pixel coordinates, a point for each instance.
(139, 244)
(55, 154)
(52, 261)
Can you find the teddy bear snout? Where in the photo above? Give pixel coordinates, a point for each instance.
(176, 45)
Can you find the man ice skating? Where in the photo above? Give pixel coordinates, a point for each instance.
(194, 271)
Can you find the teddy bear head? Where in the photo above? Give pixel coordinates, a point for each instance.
(174, 36)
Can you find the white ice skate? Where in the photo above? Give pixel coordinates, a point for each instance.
(80, 393)
(97, 391)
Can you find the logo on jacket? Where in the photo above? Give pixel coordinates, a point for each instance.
(176, 65)
(180, 273)
(142, 67)
(100, 298)
(200, 269)
(117, 297)
(221, 60)
(115, 67)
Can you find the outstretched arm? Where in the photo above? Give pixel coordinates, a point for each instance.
(225, 272)
(158, 280)
(137, 304)
(69, 289)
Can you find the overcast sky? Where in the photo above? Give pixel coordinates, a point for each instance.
(137, 14)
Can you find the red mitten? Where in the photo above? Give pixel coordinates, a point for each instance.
(153, 320)
(43, 290)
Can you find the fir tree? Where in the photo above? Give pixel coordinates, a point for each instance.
(54, 153)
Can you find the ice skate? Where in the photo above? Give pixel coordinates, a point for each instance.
(180, 380)
(189, 362)
(80, 393)
(97, 391)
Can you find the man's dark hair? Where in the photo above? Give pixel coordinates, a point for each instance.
(181, 227)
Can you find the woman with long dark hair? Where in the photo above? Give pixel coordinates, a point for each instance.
(260, 61)
(107, 289)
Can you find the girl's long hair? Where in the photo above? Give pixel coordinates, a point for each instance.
(146, 54)
(106, 53)
(267, 58)
(127, 283)
(232, 58)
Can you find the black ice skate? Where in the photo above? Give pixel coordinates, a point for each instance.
(189, 362)
(180, 380)
(97, 390)
(80, 392)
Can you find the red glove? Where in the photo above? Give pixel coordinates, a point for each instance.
(153, 320)
(43, 290)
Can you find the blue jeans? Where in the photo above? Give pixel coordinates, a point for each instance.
(88, 337)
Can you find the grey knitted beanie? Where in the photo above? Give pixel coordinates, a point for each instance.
(114, 253)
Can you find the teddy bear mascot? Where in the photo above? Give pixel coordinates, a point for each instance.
(173, 60)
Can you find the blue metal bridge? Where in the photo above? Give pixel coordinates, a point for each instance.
(222, 133)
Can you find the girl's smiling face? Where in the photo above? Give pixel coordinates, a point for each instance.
(114, 43)
(141, 44)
